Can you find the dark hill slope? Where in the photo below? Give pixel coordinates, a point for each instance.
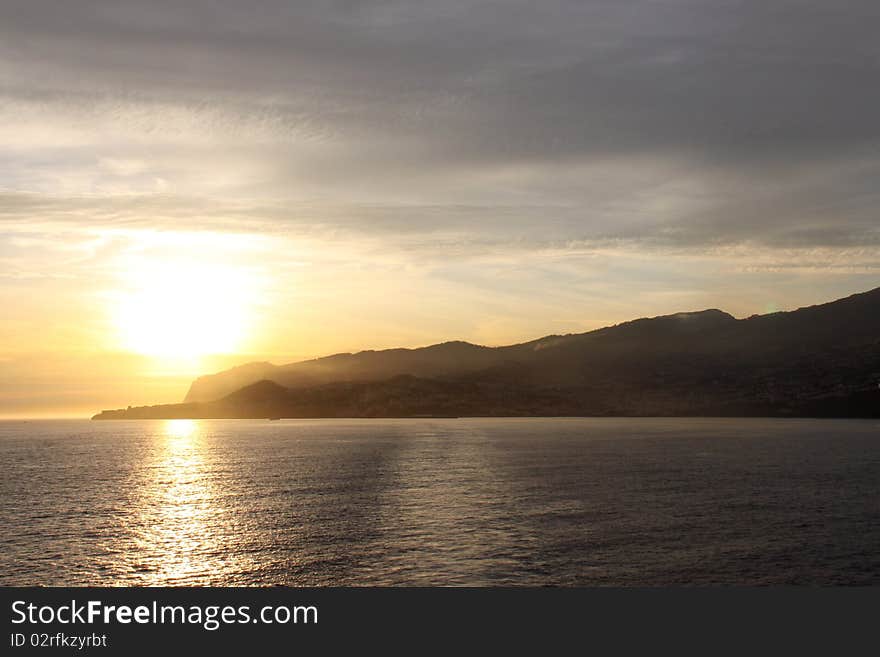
(821, 360)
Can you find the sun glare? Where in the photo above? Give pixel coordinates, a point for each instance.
(180, 429)
(182, 310)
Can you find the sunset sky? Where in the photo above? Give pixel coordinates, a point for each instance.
(188, 185)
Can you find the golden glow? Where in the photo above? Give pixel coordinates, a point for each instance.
(180, 506)
(183, 528)
(180, 429)
(183, 310)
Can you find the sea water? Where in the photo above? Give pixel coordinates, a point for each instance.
(440, 502)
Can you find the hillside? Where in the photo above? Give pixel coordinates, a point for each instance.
(822, 361)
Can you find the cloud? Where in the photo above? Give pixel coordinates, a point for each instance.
(661, 121)
(396, 173)
(634, 145)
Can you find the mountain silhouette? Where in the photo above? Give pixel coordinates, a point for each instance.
(440, 360)
(822, 360)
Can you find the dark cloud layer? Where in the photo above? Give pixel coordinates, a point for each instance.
(718, 121)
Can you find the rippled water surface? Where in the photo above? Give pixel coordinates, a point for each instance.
(440, 501)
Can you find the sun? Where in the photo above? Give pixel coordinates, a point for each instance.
(182, 310)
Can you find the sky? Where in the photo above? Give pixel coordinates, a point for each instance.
(188, 185)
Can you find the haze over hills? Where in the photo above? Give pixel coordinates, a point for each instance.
(818, 361)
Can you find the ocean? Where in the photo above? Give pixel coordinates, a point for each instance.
(478, 502)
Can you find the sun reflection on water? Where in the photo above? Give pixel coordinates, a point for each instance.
(180, 428)
(181, 520)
